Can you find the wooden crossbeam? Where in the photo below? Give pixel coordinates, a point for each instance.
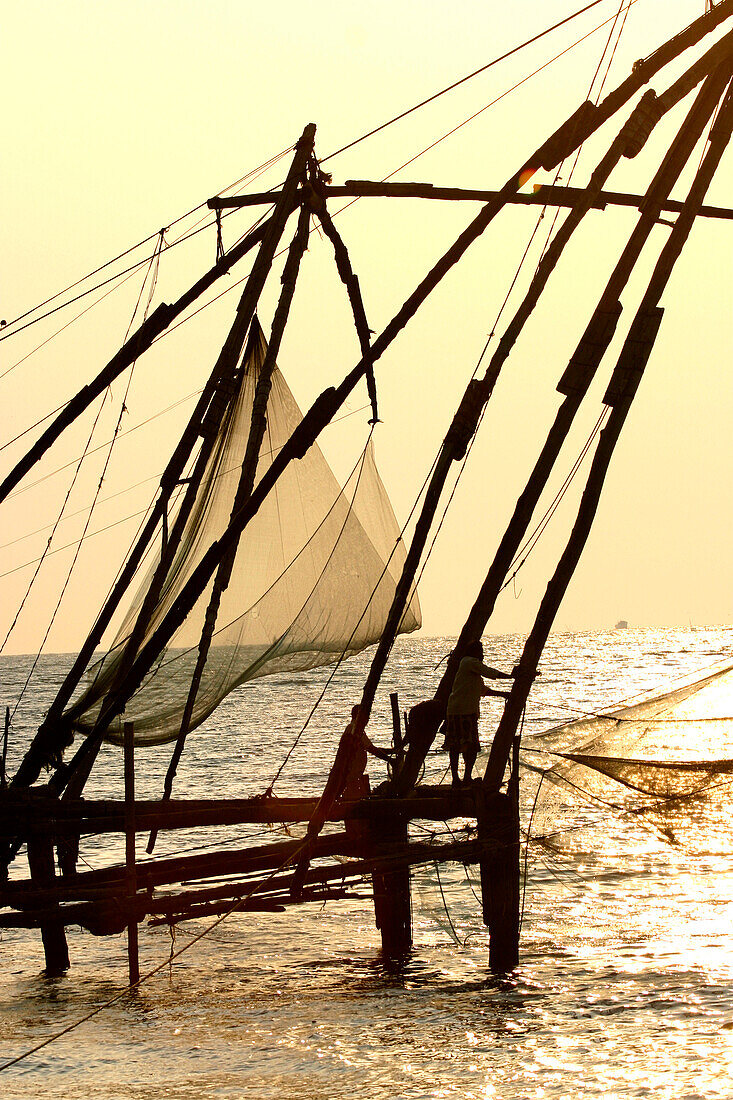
(26, 813)
(111, 912)
(544, 195)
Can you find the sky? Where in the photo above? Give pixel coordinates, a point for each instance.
(123, 117)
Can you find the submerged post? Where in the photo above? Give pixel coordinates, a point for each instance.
(392, 905)
(53, 934)
(499, 870)
(130, 870)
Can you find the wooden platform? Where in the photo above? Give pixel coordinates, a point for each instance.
(373, 848)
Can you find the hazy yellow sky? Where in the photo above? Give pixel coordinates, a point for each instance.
(120, 117)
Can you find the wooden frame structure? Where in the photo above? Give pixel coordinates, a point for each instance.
(375, 836)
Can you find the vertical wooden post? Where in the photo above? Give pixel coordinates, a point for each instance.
(43, 873)
(130, 871)
(392, 907)
(396, 722)
(499, 827)
(3, 762)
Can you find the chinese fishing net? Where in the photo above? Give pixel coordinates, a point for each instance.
(667, 759)
(314, 575)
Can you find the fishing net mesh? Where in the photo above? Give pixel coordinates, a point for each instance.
(666, 758)
(313, 578)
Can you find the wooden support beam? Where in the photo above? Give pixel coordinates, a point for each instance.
(351, 282)
(392, 902)
(43, 875)
(499, 870)
(130, 870)
(396, 723)
(544, 194)
(105, 911)
(30, 813)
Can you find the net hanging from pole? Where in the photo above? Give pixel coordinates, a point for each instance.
(312, 578)
(654, 755)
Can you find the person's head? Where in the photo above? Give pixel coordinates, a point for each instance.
(474, 649)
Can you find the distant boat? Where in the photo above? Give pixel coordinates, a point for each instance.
(622, 624)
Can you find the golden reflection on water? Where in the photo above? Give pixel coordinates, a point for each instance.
(625, 986)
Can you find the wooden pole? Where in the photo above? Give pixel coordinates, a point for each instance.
(396, 723)
(350, 281)
(4, 759)
(43, 874)
(130, 869)
(544, 194)
(499, 871)
(392, 903)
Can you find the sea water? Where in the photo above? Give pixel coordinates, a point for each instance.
(625, 984)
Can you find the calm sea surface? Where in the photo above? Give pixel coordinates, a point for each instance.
(625, 986)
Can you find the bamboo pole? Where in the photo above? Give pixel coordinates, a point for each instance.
(392, 900)
(43, 876)
(4, 757)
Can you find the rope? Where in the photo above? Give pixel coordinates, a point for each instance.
(598, 95)
(76, 317)
(456, 937)
(152, 275)
(50, 539)
(534, 537)
(112, 496)
(458, 83)
(255, 173)
(427, 148)
(37, 424)
(503, 95)
(101, 446)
